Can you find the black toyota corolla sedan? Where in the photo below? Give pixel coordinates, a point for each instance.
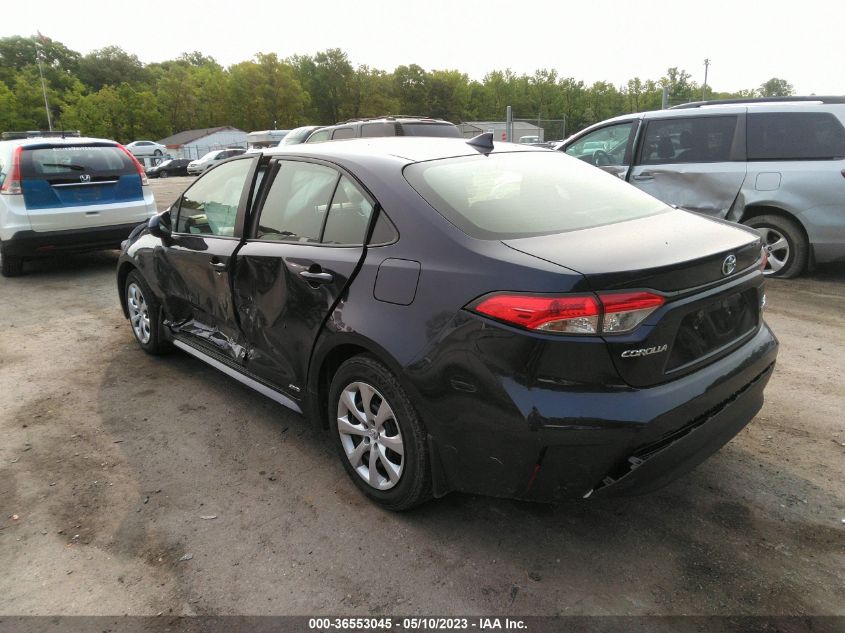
(496, 319)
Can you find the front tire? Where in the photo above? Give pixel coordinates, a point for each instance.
(11, 266)
(144, 315)
(378, 435)
(157, 152)
(786, 246)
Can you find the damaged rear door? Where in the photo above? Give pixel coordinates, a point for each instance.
(304, 244)
(693, 162)
(198, 259)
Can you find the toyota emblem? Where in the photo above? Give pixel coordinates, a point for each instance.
(729, 265)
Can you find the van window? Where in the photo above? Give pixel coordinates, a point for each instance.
(343, 132)
(378, 129)
(795, 136)
(688, 140)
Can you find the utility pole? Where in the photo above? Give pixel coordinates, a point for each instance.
(704, 87)
(43, 85)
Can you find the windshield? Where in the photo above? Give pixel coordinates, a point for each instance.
(68, 161)
(294, 137)
(521, 194)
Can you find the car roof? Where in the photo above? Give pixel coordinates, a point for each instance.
(405, 149)
(53, 140)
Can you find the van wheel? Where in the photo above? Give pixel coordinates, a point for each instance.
(11, 266)
(378, 435)
(785, 244)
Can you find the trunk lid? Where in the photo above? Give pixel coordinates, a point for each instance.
(711, 307)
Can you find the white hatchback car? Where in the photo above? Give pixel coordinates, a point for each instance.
(67, 194)
(146, 148)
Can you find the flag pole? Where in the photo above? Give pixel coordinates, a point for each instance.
(43, 86)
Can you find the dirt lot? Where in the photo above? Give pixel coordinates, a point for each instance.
(112, 463)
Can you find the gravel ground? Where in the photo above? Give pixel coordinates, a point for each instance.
(140, 485)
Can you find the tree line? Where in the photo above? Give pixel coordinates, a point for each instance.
(111, 93)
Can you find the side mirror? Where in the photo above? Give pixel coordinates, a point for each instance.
(159, 225)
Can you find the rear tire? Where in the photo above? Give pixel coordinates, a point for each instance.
(145, 315)
(163, 174)
(157, 152)
(378, 435)
(11, 266)
(786, 246)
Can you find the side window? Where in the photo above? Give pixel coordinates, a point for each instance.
(606, 146)
(688, 140)
(795, 136)
(349, 215)
(296, 202)
(383, 232)
(319, 136)
(378, 129)
(343, 132)
(210, 206)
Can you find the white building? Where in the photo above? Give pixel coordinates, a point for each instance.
(195, 143)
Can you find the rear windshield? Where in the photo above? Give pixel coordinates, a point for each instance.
(430, 129)
(521, 194)
(72, 161)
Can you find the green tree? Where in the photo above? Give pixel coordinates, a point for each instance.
(110, 66)
(775, 87)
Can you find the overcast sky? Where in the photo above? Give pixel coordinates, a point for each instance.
(747, 42)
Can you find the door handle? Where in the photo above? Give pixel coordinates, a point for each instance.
(646, 175)
(219, 267)
(317, 278)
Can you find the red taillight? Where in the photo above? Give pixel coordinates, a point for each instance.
(138, 165)
(12, 184)
(609, 313)
(623, 311)
(575, 314)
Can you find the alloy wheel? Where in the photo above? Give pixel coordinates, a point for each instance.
(139, 313)
(370, 435)
(777, 249)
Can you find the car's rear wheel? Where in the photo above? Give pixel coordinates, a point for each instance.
(378, 434)
(785, 244)
(157, 152)
(144, 315)
(11, 266)
(163, 174)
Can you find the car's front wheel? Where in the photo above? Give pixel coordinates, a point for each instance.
(144, 315)
(157, 152)
(785, 244)
(378, 434)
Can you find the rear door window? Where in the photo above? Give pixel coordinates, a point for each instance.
(75, 163)
(343, 132)
(296, 203)
(688, 140)
(430, 129)
(378, 129)
(349, 215)
(795, 136)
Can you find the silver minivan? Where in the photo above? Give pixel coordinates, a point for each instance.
(774, 164)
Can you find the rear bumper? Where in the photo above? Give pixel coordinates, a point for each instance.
(43, 243)
(547, 444)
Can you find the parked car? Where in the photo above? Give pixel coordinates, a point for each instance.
(259, 141)
(773, 164)
(146, 148)
(564, 335)
(210, 159)
(67, 194)
(169, 167)
(298, 135)
(385, 126)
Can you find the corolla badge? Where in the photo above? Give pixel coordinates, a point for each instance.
(645, 351)
(729, 265)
